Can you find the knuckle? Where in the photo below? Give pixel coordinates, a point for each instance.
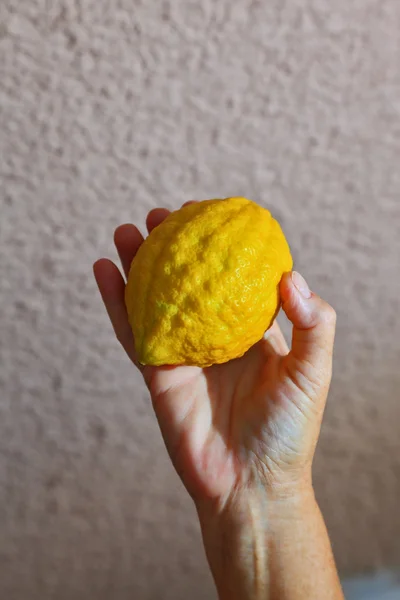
(329, 314)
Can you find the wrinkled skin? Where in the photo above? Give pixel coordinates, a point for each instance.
(253, 421)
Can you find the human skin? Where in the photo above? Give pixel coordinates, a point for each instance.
(242, 437)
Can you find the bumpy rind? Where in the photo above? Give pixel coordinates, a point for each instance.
(204, 286)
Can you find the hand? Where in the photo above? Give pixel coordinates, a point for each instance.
(252, 422)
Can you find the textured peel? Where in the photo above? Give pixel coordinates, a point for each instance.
(204, 286)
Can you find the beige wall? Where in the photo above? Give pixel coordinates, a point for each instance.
(108, 109)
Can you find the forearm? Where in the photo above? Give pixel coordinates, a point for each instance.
(263, 549)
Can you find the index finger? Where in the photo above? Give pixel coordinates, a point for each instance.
(112, 289)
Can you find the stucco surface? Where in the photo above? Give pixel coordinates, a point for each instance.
(108, 109)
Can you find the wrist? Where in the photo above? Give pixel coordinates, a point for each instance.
(239, 533)
(278, 499)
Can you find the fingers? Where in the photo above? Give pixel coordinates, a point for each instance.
(275, 340)
(310, 360)
(112, 289)
(127, 239)
(155, 217)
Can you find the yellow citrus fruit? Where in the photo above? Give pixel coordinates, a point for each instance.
(204, 286)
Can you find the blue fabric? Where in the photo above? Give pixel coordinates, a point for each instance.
(383, 586)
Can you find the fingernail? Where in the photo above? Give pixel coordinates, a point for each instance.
(301, 284)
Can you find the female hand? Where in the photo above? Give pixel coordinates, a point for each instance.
(242, 435)
(252, 421)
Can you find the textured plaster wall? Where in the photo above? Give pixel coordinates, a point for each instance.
(108, 109)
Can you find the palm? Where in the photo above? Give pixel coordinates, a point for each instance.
(228, 423)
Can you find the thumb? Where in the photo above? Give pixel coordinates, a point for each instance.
(309, 363)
